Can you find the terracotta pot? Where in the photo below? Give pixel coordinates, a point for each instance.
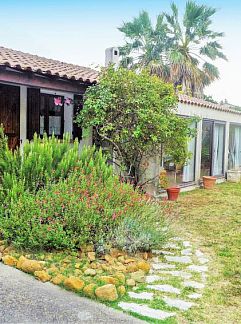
(173, 193)
(208, 182)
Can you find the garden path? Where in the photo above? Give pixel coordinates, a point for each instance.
(175, 283)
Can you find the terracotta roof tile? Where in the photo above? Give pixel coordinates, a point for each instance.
(203, 103)
(42, 65)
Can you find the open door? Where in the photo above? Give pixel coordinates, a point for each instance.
(10, 113)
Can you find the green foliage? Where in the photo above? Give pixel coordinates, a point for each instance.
(38, 163)
(180, 51)
(163, 179)
(142, 233)
(83, 208)
(3, 145)
(135, 114)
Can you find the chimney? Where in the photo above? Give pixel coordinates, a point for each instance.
(112, 56)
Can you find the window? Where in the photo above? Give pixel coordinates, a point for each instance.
(234, 156)
(212, 157)
(178, 174)
(51, 115)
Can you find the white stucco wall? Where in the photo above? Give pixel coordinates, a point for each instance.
(203, 112)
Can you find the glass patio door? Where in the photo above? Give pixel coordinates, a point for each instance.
(212, 158)
(218, 149)
(206, 157)
(234, 158)
(189, 167)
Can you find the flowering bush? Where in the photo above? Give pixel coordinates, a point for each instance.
(84, 208)
(52, 197)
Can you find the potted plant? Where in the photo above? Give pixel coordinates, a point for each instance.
(208, 182)
(172, 191)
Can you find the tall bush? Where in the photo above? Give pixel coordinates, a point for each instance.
(40, 162)
(86, 207)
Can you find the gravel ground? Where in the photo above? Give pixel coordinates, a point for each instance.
(23, 299)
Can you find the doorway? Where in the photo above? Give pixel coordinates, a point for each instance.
(213, 143)
(10, 113)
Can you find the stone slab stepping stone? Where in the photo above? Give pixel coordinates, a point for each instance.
(165, 288)
(199, 254)
(186, 252)
(176, 238)
(160, 252)
(202, 260)
(156, 259)
(178, 303)
(172, 246)
(197, 268)
(204, 276)
(194, 296)
(179, 259)
(153, 278)
(178, 273)
(145, 310)
(142, 295)
(160, 266)
(186, 244)
(193, 284)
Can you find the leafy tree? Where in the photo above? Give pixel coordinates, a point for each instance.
(135, 114)
(180, 51)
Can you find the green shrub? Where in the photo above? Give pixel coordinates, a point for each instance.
(40, 162)
(53, 197)
(142, 233)
(3, 144)
(84, 208)
(74, 211)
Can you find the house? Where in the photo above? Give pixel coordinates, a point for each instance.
(216, 150)
(40, 95)
(43, 95)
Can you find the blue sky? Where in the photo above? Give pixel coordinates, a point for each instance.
(78, 31)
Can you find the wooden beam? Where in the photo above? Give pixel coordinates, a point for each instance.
(33, 80)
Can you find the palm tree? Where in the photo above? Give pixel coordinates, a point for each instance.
(141, 47)
(179, 51)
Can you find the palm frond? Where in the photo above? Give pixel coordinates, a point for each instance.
(212, 51)
(140, 26)
(211, 71)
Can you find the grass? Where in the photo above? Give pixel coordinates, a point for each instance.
(211, 219)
